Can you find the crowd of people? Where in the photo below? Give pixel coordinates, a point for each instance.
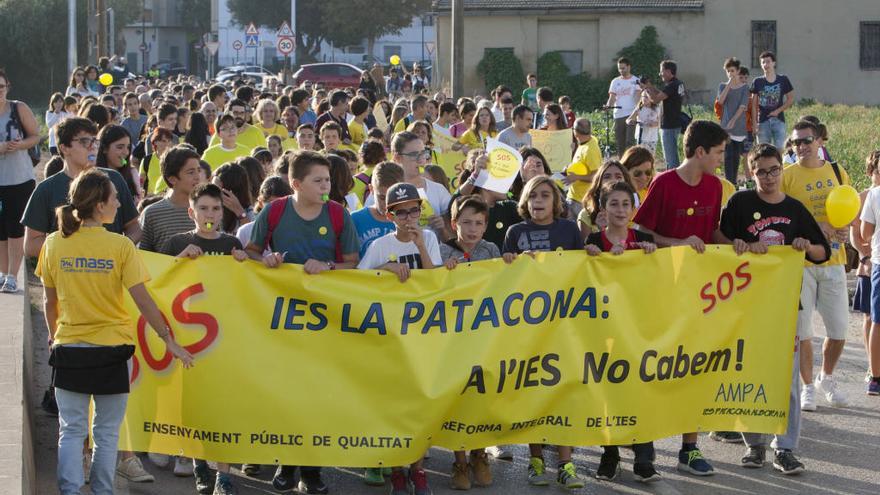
(317, 177)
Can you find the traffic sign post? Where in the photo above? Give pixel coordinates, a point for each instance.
(237, 45)
(286, 45)
(252, 39)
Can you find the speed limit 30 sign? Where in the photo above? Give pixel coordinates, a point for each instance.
(286, 45)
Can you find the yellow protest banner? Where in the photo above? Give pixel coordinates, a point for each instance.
(379, 115)
(355, 368)
(555, 146)
(451, 161)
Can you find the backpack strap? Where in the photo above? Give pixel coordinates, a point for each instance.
(836, 168)
(367, 181)
(337, 221)
(276, 209)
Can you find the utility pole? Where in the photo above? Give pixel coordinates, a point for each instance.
(295, 34)
(143, 36)
(102, 28)
(457, 48)
(71, 36)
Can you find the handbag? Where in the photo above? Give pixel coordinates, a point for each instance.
(93, 370)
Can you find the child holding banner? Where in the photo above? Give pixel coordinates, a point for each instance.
(752, 221)
(544, 229)
(91, 338)
(592, 218)
(206, 210)
(683, 207)
(617, 200)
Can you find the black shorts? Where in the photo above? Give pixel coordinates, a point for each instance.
(13, 200)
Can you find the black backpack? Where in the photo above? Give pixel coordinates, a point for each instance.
(15, 120)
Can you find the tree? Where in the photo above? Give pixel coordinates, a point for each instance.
(645, 53)
(375, 18)
(309, 30)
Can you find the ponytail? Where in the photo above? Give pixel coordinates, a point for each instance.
(68, 222)
(89, 189)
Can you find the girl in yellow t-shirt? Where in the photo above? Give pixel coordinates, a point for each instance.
(85, 271)
(266, 117)
(482, 128)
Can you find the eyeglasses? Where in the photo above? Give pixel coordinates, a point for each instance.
(415, 155)
(404, 214)
(638, 173)
(87, 142)
(800, 141)
(770, 172)
(226, 128)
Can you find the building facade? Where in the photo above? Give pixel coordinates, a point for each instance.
(161, 31)
(830, 50)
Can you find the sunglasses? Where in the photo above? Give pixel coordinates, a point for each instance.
(404, 214)
(770, 172)
(800, 141)
(638, 173)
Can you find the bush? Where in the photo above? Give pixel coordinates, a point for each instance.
(586, 93)
(501, 66)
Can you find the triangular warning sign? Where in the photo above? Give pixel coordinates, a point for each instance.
(251, 29)
(284, 31)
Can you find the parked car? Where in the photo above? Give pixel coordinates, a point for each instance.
(244, 68)
(331, 75)
(168, 68)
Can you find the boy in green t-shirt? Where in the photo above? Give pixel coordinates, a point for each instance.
(530, 94)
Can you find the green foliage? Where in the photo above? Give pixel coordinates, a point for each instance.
(586, 92)
(501, 66)
(645, 53)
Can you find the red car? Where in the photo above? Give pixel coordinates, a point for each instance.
(331, 75)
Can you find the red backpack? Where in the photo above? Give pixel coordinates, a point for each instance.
(337, 219)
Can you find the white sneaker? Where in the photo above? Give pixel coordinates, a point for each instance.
(828, 385)
(502, 452)
(159, 460)
(132, 470)
(10, 285)
(183, 467)
(808, 398)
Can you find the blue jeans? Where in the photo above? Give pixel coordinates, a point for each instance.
(789, 439)
(669, 139)
(73, 411)
(772, 131)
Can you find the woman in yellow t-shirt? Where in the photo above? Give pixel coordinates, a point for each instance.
(266, 118)
(639, 162)
(85, 271)
(482, 128)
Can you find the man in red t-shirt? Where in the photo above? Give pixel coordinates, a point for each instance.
(683, 207)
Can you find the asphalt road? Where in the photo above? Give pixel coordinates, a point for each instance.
(840, 448)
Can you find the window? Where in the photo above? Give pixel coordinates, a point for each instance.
(573, 59)
(763, 39)
(869, 45)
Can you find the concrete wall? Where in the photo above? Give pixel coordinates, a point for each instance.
(17, 471)
(817, 43)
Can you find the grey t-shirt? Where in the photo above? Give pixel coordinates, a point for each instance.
(482, 251)
(39, 214)
(16, 166)
(305, 239)
(735, 98)
(511, 138)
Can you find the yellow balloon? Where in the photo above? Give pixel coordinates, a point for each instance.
(395, 59)
(842, 206)
(106, 79)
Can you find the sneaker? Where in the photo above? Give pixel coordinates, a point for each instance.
(868, 376)
(285, 478)
(645, 472)
(419, 481)
(9, 286)
(692, 461)
(373, 477)
(183, 467)
(224, 485)
(787, 463)
(399, 484)
(480, 469)
(204, 480)
(87, 467)
(310, 482)
(250, 469)
(537, 476)
(159, 460)
(828, 385)
(726, 436)
(502, 452)
(808, 398)
(609, 467)
(567, 477)
(873, 387)
(132, 470)
(754, 458)
(461, 479)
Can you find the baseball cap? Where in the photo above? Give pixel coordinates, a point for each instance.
(401, 193)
